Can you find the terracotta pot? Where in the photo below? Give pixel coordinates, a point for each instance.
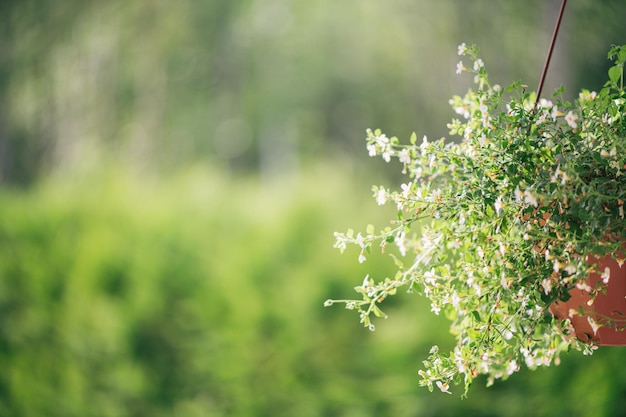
(612, 304)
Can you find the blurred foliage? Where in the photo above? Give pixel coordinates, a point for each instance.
(198, 298)
(258, 86)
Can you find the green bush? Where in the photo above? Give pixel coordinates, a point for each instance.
(202, 296)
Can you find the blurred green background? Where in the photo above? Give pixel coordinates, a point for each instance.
(171, 176)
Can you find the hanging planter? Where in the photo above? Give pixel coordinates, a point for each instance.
(496, 229)
(598, 319)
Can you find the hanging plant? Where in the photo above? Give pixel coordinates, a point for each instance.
(499, 228)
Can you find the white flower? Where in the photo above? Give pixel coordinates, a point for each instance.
(512, 367)
(366, 281)
(606, 275)
(455, 300)
(604, 153)
(547, 286)
(546, 104)
(371, 149)
(435, 309)
(462, 49)
(444, 387)
(381, 196)
(593, 324)
(554, 113)
(459, 67)
(499, 205)
(404, 156)
(406, 189)
(430, 277)
(480, 252)
(571, 118)
(382, 140)
(478, 64)
(462, 111)
(529, 198)
(400, 242)
(586, 95)
(570, 269)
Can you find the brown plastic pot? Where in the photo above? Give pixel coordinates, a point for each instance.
(611, 304)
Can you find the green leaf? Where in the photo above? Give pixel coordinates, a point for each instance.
(615, 73)
(476, 315)
(413, 138)
(378, 312)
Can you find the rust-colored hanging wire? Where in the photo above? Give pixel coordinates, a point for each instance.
(547, 64)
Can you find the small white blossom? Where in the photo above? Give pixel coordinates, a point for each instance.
(404, 156)
(555, 113)
(459, 67)
(444, 387)
(462, 111)
(381, 196)
(606, 275)
(400, 242)
(604, 153)
(435, 309)
(529, 198)
(462, 49)
(498, 205)
(387, 154)
(430, 277)
(512, 367)
(545, 104)
(587, 96)
(571, 118)
(478, 64)
(382, 140)
(406, 189)
(340, 241)
(455, 300)
(593, 324)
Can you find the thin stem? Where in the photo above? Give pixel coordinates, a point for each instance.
(547, 63)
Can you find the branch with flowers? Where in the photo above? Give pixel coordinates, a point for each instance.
(495, 227)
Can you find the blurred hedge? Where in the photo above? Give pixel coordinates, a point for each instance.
(202, 296)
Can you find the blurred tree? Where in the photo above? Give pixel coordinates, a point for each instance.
(253, 86)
